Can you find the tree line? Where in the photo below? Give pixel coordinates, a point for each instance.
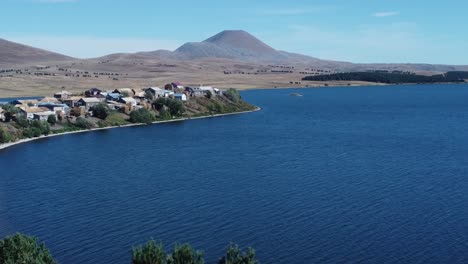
(390, 77)
(20, 248)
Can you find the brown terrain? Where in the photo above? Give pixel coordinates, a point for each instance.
(229, 59)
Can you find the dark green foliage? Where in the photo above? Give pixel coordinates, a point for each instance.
(185, 254)
(83, 123)
(159, 103)
(34, 128)
(150, 253)
(233, 95)
(153, 253)
(164, 113)
(10, 111)
(208, 94)
(52, 120)
(388, 77)
(10, 108)
(175, 107)
(235, 256)
(149, 96)
(100, 110)
(142, 116)
(5, 136)
(23, 249)
(216, 107)
(22, 121)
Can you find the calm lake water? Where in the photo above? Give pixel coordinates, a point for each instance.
(340, 175)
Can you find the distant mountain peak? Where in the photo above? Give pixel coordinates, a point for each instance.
(240, 39)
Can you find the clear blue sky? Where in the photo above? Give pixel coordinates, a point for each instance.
(426, 31)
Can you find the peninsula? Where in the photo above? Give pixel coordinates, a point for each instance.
(24, 120)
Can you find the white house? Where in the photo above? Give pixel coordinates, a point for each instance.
(29, 112)
(180, 96)
(207, 88)
(43, 116)
(168, 93)
(128, 100)
(88, 102)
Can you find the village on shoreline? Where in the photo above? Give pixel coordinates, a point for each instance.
(64, 113)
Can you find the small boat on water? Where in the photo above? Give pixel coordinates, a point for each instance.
(295, 94)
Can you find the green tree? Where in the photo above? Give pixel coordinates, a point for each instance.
(208, 94)
(42, 127)
(142, 115)
(235, 256)
(185, 254)
(176, 107)
(159, 103)
(149, 96)
(5, 136)
(233, 95)
(24, 249)
(100, 110)
(83, 123)
(22, 121)
(150, 253)
(52, 120)
(10, 111)
(10, 108)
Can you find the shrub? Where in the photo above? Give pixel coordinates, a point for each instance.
(100, 110)
(233, 95)
(22, 121)
(142, 116)
(42, 127)
(176, 107)
(24, 249)
(235, 256)
(5, 136)
(150, 253)
(185, 254)
(115, 119)
(83, 123)
(52, 120)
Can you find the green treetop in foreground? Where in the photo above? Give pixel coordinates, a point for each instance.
(21, 249)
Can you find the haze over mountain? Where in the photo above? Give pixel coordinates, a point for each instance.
(237, 46)
(15, 53)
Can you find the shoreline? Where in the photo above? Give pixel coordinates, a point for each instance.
(21, 141)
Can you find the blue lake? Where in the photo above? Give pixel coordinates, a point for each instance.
(340, 175)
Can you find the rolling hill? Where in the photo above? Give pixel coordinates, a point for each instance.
(12, 53)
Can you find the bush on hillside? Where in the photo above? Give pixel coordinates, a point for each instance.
(142, 116)
(100, 110)
(233, 95)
